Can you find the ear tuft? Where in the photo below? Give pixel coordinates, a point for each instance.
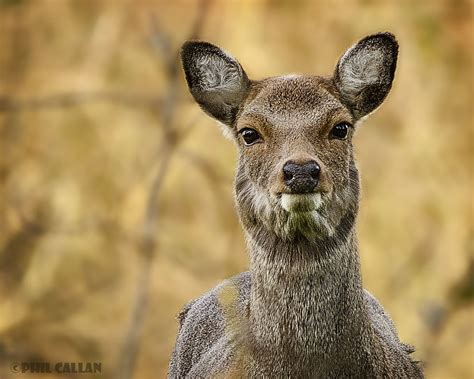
(216, 80)
(364, 74)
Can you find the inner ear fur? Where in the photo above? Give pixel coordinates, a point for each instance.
(216, 80)
(364, 74)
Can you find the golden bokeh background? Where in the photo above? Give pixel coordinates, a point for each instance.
(116, 200)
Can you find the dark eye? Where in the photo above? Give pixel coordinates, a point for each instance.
(340, 130)
(250, 136)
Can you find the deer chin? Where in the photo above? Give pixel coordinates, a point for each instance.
(301, 203)
(303, 214)
(287, 215)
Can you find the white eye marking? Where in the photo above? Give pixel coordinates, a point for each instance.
(301, 203)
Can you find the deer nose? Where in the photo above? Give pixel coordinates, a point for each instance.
(301, 178)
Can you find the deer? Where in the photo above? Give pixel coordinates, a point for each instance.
(301, 310)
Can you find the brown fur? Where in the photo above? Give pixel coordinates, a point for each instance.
(301, 311)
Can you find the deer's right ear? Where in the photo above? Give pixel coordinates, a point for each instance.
(215, 79)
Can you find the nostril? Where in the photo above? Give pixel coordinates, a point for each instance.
(313, 170)
(290, 171)
(288, 175)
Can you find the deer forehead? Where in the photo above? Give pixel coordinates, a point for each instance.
(291, 102)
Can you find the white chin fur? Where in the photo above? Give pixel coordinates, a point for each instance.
(301, 202)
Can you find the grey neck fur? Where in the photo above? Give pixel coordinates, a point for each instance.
(309, 311)
(306, 302)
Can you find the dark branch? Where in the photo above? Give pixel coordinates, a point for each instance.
(147, 242)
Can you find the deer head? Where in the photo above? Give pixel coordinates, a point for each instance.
(296, 173)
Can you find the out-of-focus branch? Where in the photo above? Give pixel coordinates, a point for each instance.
(438, 316)
(73, 99)
(147, 242)
(146, 249)
(161, 42)
(200, 19)
(205, 167)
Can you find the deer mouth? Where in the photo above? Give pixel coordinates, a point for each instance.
(307, 202)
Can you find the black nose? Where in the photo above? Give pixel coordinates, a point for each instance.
(301, 178)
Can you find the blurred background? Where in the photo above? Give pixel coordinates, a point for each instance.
(116, 202)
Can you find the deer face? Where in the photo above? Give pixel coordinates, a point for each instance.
(296, 173)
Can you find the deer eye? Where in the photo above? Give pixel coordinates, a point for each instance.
(250, 136)
(340, 131)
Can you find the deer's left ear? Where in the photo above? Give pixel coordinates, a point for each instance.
(216, 80)
(364, 74)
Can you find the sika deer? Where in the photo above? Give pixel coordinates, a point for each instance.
(301, 310)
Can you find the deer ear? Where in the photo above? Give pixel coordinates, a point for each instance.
(364, 74)
(216, 80)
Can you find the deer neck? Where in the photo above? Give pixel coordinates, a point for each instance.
(307, 297)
